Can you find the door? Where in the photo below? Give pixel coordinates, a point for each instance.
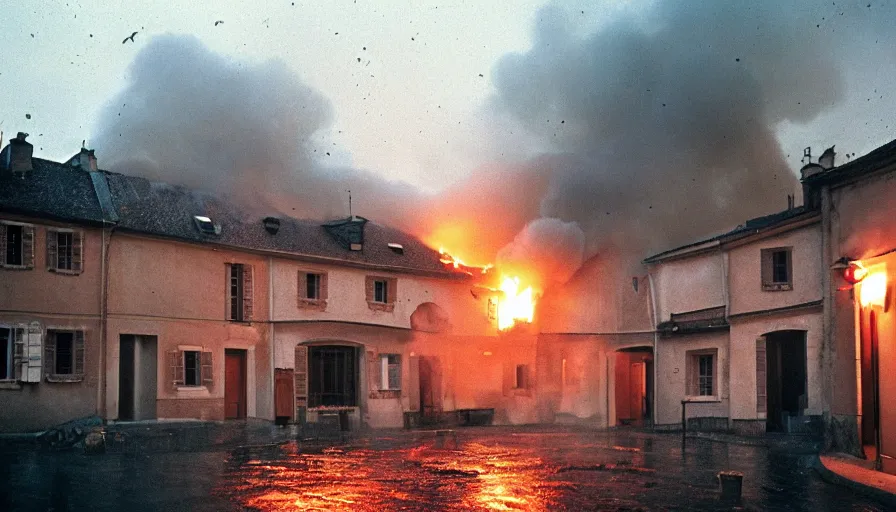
(234, 384)
(137, 379)
(636, 388)
(430, 389)
(284, 398)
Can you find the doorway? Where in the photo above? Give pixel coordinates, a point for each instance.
(333, 372)
(634, 386)
(430, 390)
(786, 390)
(137, 377)
(234, 384)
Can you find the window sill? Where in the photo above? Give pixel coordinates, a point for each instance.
(193, 391)
(64, 378)
(381, 306)
(15, 267)
(388, 393)
(10, 384)
(65, 272)
(316, 304)
(703, 399)
(777, 287)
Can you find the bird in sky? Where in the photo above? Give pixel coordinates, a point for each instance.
(219, 22)
(130, 37)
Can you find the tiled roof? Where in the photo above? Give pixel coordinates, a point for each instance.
(880, 158)
(51, 190)
(704, 320)
(166, 210)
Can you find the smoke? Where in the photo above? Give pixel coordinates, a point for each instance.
(651, 131)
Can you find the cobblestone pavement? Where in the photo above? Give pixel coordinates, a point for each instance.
(489, 468)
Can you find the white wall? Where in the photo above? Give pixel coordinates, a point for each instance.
(689, 284)
(671, 368)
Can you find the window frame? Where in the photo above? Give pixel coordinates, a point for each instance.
(390, 289)
(521, 376)
(693, 385)
(75, 251)
(78, 357)
(386, 383)
(240, 292)
(10, 354)
(27, 245)
(769, 269)
(303, 282)
(197, 371)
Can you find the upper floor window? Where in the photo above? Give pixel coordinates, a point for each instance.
(16, 245)
(239, 287)
(312, 290)
(64, 251)
(777, 269)
(381, 293)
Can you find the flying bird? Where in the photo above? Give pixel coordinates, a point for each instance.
(130, 37)
(219, 22)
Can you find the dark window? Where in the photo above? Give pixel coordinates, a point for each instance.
(64, 250)
(705, 375)
(522, 376)
(65, 352)
(14, 245)
(380, 291)
(312, 286)
(192, 368)
(780, 266)
(332, 376)
(236, 292)
(7, 342)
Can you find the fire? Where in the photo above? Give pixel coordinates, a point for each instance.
(516, 303)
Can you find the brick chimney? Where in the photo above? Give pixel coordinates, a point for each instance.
(15, 158)
(84, 160)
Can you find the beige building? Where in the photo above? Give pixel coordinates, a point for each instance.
(740, 327)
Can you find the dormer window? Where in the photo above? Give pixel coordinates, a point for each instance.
(396, 248)
(206, 226)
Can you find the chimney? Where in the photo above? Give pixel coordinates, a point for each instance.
(85, 160)
(826, 160)
(16, 156)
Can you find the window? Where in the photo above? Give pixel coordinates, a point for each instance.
(312, 290)
(190, 367)
(16, 246)
(381, 293)
(64, 356)
(7, 353)
(522, 376)
(390, 372)
(64, 251)
(701, 373)
(239, 286)
(332, 376)
(777, 269)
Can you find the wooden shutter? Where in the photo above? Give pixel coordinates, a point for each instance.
(368, 288)
(52, 240)
(207, 372)
(303, 284)
(3, 234)
(32, 353)
(175, 369)
(761, 370)
(374, 371)
(301, 375)
(692, 375)
(77, 250)
(27, 246)
(78, 353)
(50, 354)
(391, 291)
(323, 287)
(247, 293)
(18, 357)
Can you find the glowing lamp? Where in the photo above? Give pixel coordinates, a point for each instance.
(854, 273)
(874, 290)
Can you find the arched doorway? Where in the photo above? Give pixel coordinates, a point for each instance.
(634, 386)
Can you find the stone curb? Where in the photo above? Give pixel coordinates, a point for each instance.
(831, 477)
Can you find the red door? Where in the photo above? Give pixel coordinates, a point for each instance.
(234, 384)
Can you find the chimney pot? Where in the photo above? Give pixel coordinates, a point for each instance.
(85, 160)
(16, 156)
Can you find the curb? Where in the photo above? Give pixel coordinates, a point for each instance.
(831, 477)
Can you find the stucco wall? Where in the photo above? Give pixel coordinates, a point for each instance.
(689, 284)
(745, 274)
(744, 333)
(671, 367)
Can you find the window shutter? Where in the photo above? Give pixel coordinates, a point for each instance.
(51, 250)
(50, 354)
(3, 235)
(761, 393)
(207, 371)
(374, 369)
(78, 365)
(368, 288)
(323, 287)
(27, 246)
(301, 375)
(18, 358)
(247, 293)
(175, 368)
(391, 291)
(32, 353)
(303, 285)
(692, 371)
(77, 250)
(228, 275)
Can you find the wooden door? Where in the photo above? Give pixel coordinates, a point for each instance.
(636, 389)
(235, 384)
(284, 398)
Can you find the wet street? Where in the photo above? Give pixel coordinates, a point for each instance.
(489, 468)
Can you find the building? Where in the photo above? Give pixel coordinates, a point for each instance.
(857, 201)
(740, 324)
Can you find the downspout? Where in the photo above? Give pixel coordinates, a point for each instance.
(726, 293)
(271, 380)
(827, 346)
(653, 324)
(101, 393)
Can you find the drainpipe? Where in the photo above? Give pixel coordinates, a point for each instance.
(827, 348)
(273, 411)
(656, 365)
(104, 307)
